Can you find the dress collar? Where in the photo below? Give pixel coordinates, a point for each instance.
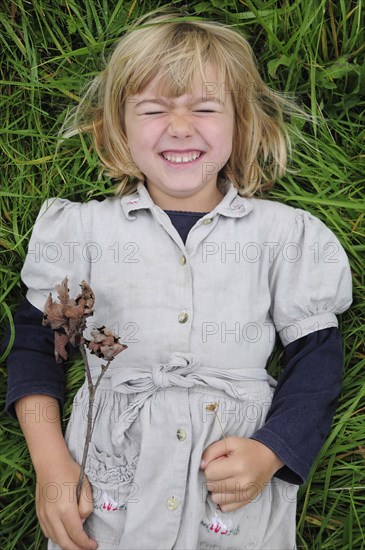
(232, 204)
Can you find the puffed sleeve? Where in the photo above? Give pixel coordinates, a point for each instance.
(57, 248)
(310, 279)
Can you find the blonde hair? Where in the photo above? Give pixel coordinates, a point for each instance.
(177, 50)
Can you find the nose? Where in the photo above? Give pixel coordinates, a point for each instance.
(180, 125)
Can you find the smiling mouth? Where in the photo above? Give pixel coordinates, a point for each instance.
(183, 157)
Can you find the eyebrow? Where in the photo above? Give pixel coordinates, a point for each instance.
(163, 102)
(151, 100)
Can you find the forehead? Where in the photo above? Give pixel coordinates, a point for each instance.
(204, 84)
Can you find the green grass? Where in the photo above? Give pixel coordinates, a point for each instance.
(311, 48)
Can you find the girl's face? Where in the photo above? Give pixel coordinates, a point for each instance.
(181, 143)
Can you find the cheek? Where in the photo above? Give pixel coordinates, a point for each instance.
(220, 132)
(141, 148)
(228, 139)
(135, 143)
(145, 137)
(223, 140)
(139, 159)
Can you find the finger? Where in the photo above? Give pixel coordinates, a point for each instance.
(229, 503)
(85, 509)
(74, 529)
(232, 485)
(214, 451)
(226, 508)
(232, 466)
(43, 524)
(241, 493)
(222, 486)
(58, 535)
(225, 498)
(44, 529)
(86, 502)
(221, 469)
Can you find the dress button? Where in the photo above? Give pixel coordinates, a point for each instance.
(172, 503)
(182, 260)
(183, 317)
(181, 434)
(207, 220)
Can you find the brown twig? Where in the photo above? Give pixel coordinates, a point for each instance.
(68, 319)
(89, 429)
(213, 407)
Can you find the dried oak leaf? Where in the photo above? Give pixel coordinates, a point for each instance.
(104, 344)
(68, 318)
(60, 342)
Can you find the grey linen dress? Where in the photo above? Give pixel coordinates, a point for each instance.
(200, 321)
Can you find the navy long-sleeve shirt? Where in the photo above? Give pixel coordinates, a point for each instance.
(303, 405)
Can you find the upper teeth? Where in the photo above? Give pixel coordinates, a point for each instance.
(188, 157)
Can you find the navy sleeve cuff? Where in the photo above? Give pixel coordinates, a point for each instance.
(304, 402)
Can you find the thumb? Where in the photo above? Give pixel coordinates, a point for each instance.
(216, 450)
(86, 500)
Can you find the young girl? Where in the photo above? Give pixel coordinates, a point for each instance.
(196, 276)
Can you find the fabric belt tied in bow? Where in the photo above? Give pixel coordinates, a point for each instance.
(183, 370)
(176, 372)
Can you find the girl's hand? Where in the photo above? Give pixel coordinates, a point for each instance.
(57, 474)
(237, 479)
(59, 516)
